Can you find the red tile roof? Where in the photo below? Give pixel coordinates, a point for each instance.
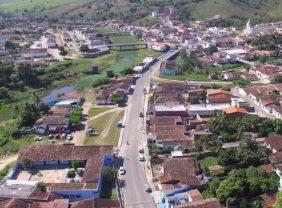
(274, 142)
(206, 203)
(58, 203)
(14, 203)
(234, 110)
(183, 170)
(97, 203)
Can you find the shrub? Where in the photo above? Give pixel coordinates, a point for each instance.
(71, 173)
(75, 119)
(77, 164)
(100, 82)
(41, 187)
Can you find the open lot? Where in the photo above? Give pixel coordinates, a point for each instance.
(105, 126)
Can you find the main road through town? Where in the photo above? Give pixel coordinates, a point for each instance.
(133, 191)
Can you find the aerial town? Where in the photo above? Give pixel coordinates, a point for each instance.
(109, 114)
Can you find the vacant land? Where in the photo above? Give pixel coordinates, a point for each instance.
(105, 126)
(208, 161)
(97, 110)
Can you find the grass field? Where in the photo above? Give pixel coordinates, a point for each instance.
(208, 161)
(188, 76)
(108, 120)
(97, 110)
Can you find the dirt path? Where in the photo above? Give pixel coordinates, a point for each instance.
(7, 160)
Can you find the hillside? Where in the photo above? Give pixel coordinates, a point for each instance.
(131, 10)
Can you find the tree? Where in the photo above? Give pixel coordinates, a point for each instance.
(218, 123)
(250, 153)
(109, 174)
(110, 73)
(84, 48)
(29, 114)
(227, 157)
(71, 174)
(278, 203)
(76, 164)
(278, 79)
(117, 98)
(27, 163)
(127, 71)
(263, 59)
(63, 53)
(100, 82)
(10, 45)
(233, 188)
(41, 187)
(210, 50)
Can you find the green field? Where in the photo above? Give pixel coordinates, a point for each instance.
(208, 161)
(97, 110)
(100, 124)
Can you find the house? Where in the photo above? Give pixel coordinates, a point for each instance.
(235, 54)
(3, 39)
(35, 53)
(233, 112)
(205, 203)
(52, 123)
(2, 50)
(58, 202)
(218, 96)
(179, 175)
(266, 73)
(206, 110)
(53, 163)
(168, 68)
(274, 143)
(117, 86)
(170, 100)
(268, 199)
(265, 97)
(96, 203)
(169, 132)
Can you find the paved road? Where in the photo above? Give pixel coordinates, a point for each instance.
(135, 179)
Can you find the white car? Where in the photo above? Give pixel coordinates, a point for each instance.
(141, 158)
(69, 137)
(37, 138)
(121, 170)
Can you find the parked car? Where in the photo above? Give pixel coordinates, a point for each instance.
(141, 158)
(141, 149)
(69, 137)
(37, 138)
(141, 115)
(119, 124)
(91, 132)
(51, 136)
(121, 170)
(148, 188)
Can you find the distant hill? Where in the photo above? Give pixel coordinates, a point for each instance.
(132, 10)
